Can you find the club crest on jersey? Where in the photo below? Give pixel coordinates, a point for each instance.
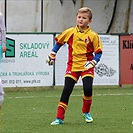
(87, 41)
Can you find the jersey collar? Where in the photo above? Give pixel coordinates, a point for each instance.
(84, 31)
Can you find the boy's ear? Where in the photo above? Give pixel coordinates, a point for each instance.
(90, 20)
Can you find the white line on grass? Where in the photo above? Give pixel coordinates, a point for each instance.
(118, 94)
(23, 97)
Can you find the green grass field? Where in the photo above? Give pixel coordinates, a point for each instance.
(32, 110)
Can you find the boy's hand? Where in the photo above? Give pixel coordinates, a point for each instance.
(90, 64)
(51, 59)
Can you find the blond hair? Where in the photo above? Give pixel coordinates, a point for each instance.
(85, 10)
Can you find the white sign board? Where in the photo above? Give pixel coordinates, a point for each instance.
(23, 64)
(106, 71)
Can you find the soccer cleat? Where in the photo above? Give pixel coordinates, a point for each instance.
(57, 122)
(88, 117)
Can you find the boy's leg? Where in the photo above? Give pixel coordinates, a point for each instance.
(87, 98)
(67, 90)
(62, 105)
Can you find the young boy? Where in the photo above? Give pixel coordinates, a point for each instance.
(2, 49)
(84, 52)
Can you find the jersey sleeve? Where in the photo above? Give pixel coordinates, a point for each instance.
(63, 37)
(56, 48)
(97, 44)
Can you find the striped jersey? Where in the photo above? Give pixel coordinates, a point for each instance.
(81, 46)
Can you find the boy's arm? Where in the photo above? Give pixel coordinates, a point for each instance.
(93, 63)
(97, 44)
(52, 56)
(97, 56)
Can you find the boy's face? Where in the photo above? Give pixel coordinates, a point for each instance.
(83, 20)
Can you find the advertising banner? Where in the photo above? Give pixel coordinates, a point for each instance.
(24, 64)
(106, 71)
(126, 59)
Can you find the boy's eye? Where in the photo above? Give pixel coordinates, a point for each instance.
(82, 17)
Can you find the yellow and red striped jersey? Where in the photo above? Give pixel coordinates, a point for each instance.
(81, 46)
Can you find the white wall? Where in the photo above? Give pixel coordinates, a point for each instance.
(2, 6)
(25, 15)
